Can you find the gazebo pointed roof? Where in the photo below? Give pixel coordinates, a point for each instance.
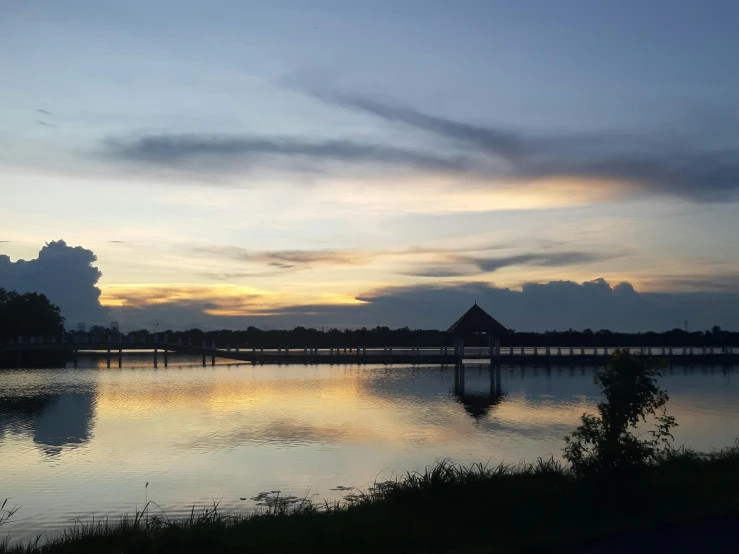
(477, 320)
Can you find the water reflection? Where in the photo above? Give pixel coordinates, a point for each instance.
(478, 405)
(67, 421)
(54, 421)
(77, 442)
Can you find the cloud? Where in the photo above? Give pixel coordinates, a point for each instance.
(500, 142)
(694, 166)
(218, 153)
(295, 260)
(561, 305)
(697, 166)
(205, 297)
(45, 124)
(45, 112)
(457, 266)
(446, 262)
(65, 274)
(229, 275)
(289, 259)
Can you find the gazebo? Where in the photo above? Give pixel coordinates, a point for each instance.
(476, 320)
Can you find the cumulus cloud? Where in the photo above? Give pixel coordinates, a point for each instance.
(66, 275)
(560, 305)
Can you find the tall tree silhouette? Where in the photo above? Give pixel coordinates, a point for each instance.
(28, 314)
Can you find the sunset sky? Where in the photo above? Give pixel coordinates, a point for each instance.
(232, 163)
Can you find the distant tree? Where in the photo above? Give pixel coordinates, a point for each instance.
(605, 443)
(28, 314)
(98, 331)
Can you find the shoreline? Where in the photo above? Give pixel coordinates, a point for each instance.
(540, 507)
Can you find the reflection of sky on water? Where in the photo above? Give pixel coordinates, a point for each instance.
(74, 442)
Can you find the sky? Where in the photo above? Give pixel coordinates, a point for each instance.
(346, 164)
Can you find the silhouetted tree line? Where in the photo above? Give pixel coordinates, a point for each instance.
(28, 314)
(300, 337)
(32, 314)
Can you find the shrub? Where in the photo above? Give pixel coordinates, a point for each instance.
(606, 444)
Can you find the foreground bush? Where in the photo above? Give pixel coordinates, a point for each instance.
(606, 445)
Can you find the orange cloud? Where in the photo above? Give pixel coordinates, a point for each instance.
(220, 299)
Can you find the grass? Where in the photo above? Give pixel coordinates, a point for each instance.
(539, 507)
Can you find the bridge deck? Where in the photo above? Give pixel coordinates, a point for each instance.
(441, 355)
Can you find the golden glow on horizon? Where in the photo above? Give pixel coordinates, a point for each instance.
(222, 299)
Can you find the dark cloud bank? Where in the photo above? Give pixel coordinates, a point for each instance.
(538, 307)
(66, 275)
(699, 164)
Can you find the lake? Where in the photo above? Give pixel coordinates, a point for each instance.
(78, 442)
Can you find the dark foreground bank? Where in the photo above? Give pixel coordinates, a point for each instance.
(448, 508)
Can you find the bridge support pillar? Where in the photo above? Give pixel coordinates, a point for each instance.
(156, 357)
(496, 387)
(459, 374)
(165, 358)
(459, 349)
(203, 359)
(120, 357)
(107, 358)
(74, 357)
(213, 360)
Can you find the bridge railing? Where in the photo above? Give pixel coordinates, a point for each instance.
(121, 341)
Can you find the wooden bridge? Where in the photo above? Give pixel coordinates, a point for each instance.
(161, 349)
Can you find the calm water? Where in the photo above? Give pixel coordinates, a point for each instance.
(78, 442)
